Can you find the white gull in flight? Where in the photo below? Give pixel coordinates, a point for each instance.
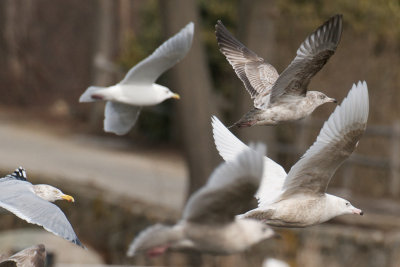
(138, 88)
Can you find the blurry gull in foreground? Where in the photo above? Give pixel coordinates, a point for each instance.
(299, 199)
(208, 223)
(281, 98)
(34, 256)
(138, 88)
(32, 204)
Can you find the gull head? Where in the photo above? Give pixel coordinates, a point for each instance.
(50, 193)
(349, 209)
(341, 206)
(164, 93)
(319, 98)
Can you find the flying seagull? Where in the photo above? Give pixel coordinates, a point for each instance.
(125, 99)
(299, 199)
(34, 256)
(208, 223)
(32, 204)
(281, 98)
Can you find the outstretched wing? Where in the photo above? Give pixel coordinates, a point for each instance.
(164, 57)
(18, 197)
(119, 118)
(257, 76)
(229, 146)
(337, 140)
(312, 55)
(229, 190)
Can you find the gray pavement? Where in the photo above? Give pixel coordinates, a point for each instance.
(149, 177)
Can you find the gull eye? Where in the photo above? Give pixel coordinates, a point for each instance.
(347, 204)
(321, 96)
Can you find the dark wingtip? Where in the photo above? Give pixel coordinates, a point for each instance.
(79, 243)
(19, 174)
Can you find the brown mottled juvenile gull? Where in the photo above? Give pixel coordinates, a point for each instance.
(299, 199)
(34, 256)
(281, 98)
(138, 88)
(32, 204)
(208, 223)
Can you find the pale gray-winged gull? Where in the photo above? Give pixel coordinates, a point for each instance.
(32, 204)
(138, 88)
(301, 199)
(208, 222)
(281, 98)
(34, 256)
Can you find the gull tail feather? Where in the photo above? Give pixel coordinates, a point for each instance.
(249, 119)
(88, 95)
(155, 240)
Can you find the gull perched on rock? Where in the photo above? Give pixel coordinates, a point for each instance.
(299, 199)
(32, 204)
(281, 98)
(138, 88)
(208, 223)
(34, 256)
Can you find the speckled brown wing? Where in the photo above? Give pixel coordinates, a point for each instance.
(311, 56)
(335, 143)
(257, 76)
(34, 256)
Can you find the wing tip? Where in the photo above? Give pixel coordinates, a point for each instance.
(19, 174)
(76, 241)
(189, 27)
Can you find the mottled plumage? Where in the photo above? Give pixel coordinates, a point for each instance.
(281, 98)
(34, 256)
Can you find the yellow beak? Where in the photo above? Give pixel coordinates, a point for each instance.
(68, 198)
(176, 96)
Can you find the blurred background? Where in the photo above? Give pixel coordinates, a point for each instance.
(52, 50)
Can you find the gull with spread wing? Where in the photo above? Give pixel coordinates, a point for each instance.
(138, 88)
(281, 98)
(32, 204)
(299, 199)
(208, 223)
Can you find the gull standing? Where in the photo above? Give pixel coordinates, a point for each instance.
(281, 98)
(208, 223)
(301, 199)
(32, 204)
(138, 88)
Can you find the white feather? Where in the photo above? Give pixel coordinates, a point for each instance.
(229, 146)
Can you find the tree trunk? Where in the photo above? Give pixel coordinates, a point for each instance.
(191, 79)
(104, 49)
